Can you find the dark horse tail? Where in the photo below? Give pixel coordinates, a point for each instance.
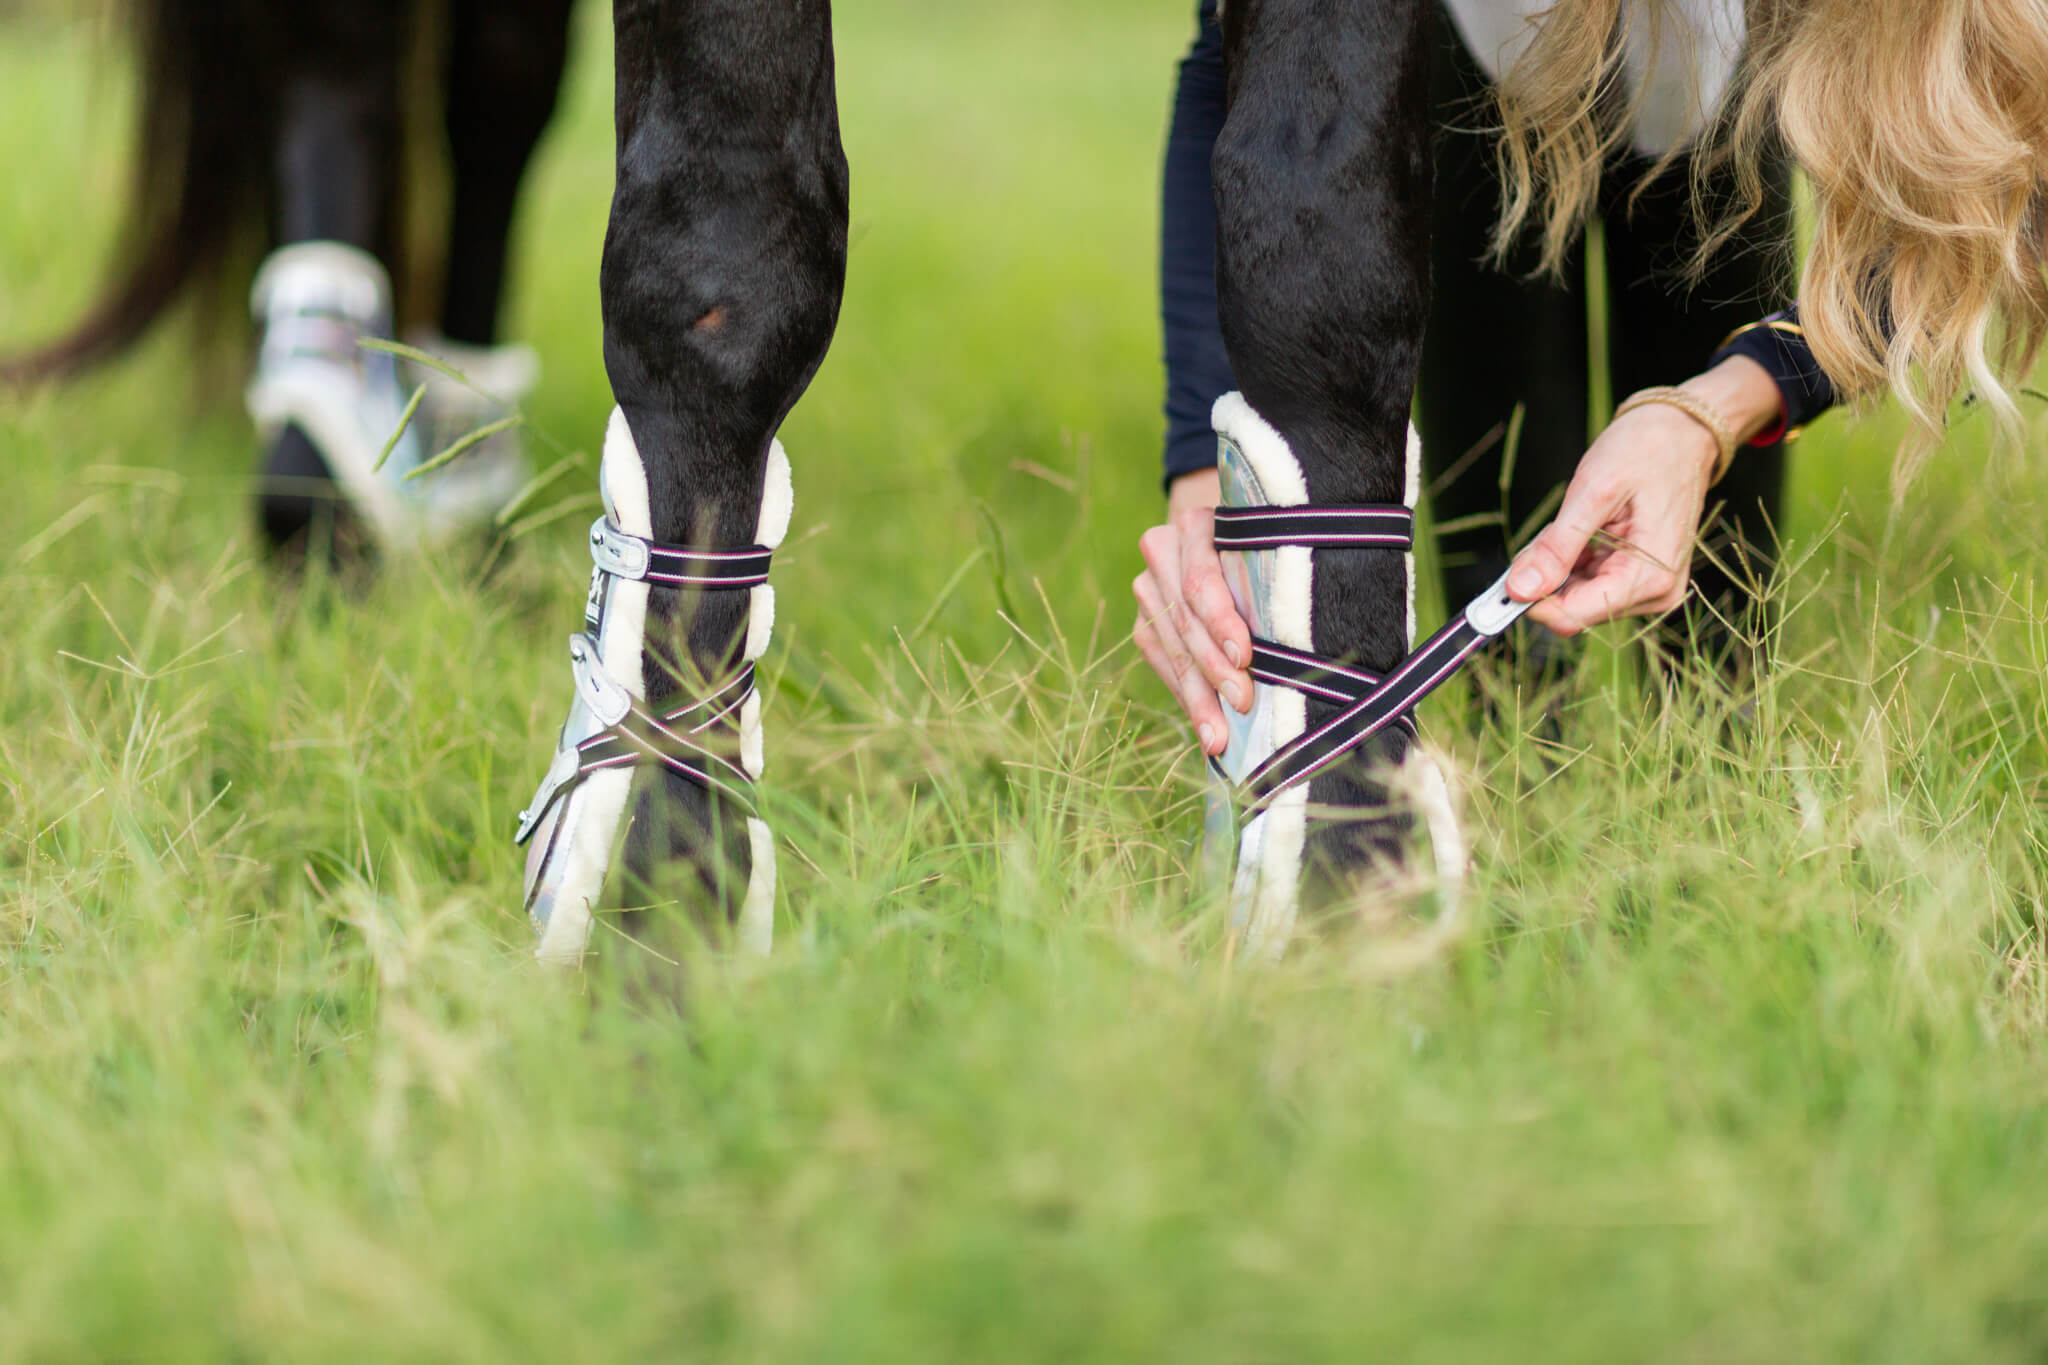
(204, 169)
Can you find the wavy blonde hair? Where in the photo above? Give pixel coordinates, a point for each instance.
(1922, 128)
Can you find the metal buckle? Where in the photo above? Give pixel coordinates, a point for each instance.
(1493, 611)
(607, 699)
(560, 774)
(619, 554)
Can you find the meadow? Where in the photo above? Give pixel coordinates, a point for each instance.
(1734, 1052)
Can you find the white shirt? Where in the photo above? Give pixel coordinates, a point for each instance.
(1696, 58)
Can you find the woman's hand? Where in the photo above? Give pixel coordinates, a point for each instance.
(1188, 627)
(1642, 483)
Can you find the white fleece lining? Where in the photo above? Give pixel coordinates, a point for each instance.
(1271, 848)
(760, 620)
(757, 911)
(1411, 494)
(622, 478)
(778, 499)
(751, 747)
(1431, 793)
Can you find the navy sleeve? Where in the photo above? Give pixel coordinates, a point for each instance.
(1778, 343)
(1197, 367)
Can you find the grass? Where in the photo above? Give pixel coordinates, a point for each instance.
(1739, 1056)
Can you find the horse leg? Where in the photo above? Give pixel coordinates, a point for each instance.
(723, 268)
(324, 405)
(1322, 179)
(505, 62)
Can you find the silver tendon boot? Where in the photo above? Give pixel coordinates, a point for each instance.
(1259, 812)
(573, 824)
(317, 304)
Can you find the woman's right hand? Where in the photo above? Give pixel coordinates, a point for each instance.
(1188, 626)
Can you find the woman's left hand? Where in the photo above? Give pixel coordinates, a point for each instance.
(1642, 484)
(1624, 533)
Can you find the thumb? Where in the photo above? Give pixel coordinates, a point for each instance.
(1542, 569)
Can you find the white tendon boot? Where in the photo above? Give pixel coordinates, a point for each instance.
(1274, 589)
(573, 824)
(317, 303)
(470, 490)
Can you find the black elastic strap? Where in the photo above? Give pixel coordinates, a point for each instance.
(1387, 526)
(1317, 677)
(1371, 703)
(673, 740)
(680, 566)
(1396, 697)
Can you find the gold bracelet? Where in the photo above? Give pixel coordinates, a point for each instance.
(1697, 408)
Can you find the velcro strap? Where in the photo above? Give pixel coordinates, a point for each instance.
(676, 739)
(1397, 695)
(624, 555)
(1324, 679)
(1388, 526)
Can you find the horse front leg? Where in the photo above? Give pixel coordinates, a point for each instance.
(1322, 176)
(723, 268)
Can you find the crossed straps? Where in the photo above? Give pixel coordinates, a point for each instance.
(631, 734)
(1371, 703)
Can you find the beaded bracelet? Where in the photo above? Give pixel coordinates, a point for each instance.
(1697, 408)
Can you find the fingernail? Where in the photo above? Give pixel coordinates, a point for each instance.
(1526, 579)
(1235, 691)
(1230, 653)
(1208, 733)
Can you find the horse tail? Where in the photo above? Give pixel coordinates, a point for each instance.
(202, 178)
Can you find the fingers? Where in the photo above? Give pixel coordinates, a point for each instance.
(1620, 584)
(1542, 568)
(1169, 554)
(1225, 639)
(1161, 644)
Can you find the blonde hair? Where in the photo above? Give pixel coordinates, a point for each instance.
(1922, 128)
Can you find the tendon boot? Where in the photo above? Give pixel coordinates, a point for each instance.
(1309, 780)
(705, 734)
(332, 411)
(472, 395)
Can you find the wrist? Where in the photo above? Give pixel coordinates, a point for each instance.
(1743, 393)
(1692, 423)
(1199, 488)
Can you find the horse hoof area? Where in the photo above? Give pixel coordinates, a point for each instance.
(300, 509)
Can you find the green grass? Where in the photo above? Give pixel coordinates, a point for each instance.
(1739, 1054)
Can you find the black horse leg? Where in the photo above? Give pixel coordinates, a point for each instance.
(505, 61)
(723, 269)
(1322, 187)
(336, 152)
